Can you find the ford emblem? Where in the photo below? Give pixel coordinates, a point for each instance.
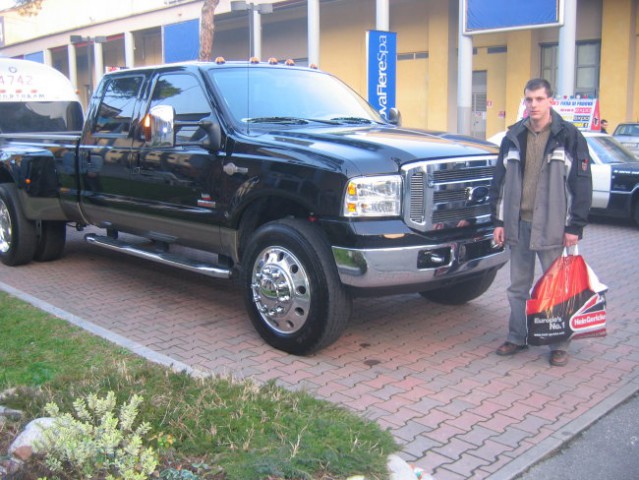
(477, 194)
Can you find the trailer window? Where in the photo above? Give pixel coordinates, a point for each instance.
(44, 117)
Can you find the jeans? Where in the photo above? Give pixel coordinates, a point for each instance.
(522, 274)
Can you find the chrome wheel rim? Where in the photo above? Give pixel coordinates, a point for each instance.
(5, 228)
(281, 290)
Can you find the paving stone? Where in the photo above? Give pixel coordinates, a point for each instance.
(438, 386)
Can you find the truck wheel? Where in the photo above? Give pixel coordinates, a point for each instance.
(51, 241)
(292, 291)
(17, 233)
(461, 292)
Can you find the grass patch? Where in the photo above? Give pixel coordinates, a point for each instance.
(237, 429)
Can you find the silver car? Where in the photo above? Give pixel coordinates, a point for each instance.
(628, 135)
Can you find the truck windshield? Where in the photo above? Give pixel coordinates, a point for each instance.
(286, 96)
(47, 117)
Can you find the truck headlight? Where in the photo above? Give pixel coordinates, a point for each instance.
(373, 197)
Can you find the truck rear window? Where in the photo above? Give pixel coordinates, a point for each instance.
(28, 117)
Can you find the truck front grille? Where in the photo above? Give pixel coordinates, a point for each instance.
(448, 193)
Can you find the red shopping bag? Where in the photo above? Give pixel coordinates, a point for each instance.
(566, 303)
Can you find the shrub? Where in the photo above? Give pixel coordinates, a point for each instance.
(97, 443)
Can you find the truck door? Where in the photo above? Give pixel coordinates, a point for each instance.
(178, 184)
(104, 157)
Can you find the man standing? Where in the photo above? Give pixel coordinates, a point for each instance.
(540, 199)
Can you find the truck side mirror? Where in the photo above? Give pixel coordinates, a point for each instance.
(158, 126)
(394, 117)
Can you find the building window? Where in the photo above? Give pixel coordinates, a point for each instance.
(587, 64)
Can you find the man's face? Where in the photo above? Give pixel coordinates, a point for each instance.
(538, 104)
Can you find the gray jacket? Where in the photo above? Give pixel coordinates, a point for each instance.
(564, 190)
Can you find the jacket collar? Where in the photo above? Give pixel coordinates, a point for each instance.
(516, 129)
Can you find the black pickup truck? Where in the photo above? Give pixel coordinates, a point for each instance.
(277, 175)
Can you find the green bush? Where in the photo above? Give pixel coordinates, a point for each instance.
(97, 443)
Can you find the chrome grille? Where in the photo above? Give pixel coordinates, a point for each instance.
(448, 193)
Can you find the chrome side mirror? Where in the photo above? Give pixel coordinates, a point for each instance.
(394, 117)
(159, 126)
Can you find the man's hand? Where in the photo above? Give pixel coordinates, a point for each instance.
(499, 236)
(570, 240)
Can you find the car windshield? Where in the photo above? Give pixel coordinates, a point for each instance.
(627, 130)
(289, 97)
(609, 150)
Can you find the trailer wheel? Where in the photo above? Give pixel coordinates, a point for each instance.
(17, 233)
(291, 287)
(51, 241)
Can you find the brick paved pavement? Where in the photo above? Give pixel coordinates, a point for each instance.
(425, 371)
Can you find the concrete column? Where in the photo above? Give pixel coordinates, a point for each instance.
(98, 64)
(129, 50)
(73, 65)
(464, 78)
(567, 35)
(256, 26)
(313, 32)
(382, 16)
(48, 59)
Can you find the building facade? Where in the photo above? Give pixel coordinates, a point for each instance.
(85, 39)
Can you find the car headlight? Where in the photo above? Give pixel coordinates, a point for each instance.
(373, 197)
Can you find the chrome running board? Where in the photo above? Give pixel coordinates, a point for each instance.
(165, 258)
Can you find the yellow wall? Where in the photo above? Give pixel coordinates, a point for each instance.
(412, 74)
(343, 40)
(618, 79)
(440, 54)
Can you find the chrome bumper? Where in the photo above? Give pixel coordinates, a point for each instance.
(416, 265)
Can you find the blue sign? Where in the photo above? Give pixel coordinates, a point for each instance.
(382, 70)
(182, 41)
(482, 16)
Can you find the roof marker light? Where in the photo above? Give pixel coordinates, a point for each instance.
(290, 62)
(273, 61)
(220, 60)
(254, 60)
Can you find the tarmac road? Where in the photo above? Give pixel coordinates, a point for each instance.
(608, 450)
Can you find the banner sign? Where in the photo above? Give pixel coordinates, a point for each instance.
(483, 16)
(181, 41)
(583, 113)
(381, 70)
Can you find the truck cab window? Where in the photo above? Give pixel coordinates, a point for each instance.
(184, 93)
(116, 108)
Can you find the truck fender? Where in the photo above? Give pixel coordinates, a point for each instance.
(32, 170)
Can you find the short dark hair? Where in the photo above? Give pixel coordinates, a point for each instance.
(537, 83)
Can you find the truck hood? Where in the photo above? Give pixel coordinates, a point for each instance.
(378, 149)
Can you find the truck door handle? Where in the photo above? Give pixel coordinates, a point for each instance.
(232, 169)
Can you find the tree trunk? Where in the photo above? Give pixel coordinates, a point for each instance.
(207, 28)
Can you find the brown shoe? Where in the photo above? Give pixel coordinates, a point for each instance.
(508, 348)
(558, 358)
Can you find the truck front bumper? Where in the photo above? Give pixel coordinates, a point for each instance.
(419, 265)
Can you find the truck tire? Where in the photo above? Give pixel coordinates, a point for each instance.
(17, 233)
(291, 287)
(461, 292)
(51, 241)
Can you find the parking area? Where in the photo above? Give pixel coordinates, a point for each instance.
(425, 371)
